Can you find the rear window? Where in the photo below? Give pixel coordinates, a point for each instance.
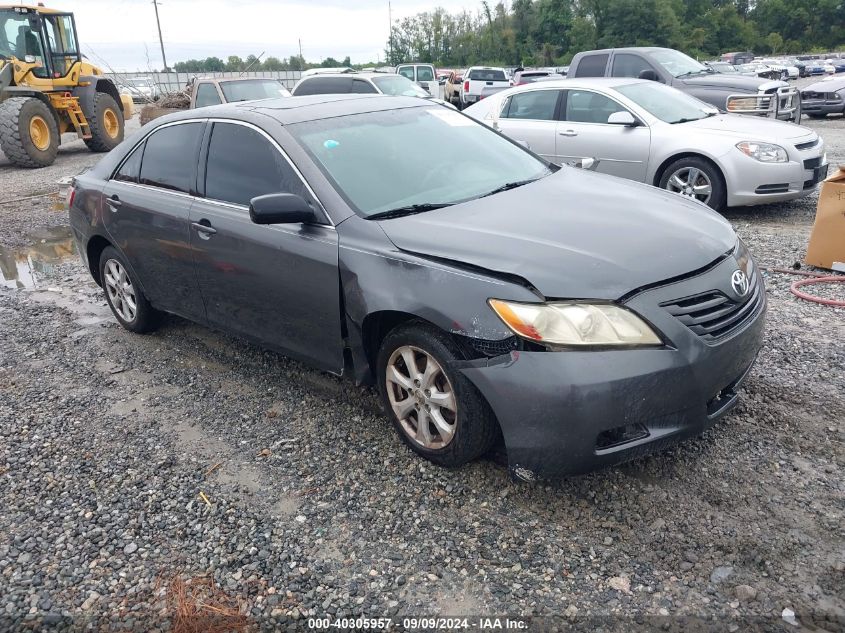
(252, 89)
(324, 86)
(425, 73)
(591, 66)
(482, 74)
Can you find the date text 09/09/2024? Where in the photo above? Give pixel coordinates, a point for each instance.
(418, 624)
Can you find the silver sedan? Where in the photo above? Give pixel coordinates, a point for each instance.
(645, 131)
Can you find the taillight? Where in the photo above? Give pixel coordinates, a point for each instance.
(466, 86)
(71, 193)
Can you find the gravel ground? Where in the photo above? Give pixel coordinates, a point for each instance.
(314, 507)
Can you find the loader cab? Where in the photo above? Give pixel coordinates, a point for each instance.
(47, 38)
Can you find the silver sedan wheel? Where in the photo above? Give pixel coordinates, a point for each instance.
(691, 182)
(120, 291)
(422, 397)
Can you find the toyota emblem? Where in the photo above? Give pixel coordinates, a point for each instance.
(740, 283)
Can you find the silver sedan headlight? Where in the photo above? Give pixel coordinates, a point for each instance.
(575, 323)
(764, 152)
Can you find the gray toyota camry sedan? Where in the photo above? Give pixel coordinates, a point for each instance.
(580, 318)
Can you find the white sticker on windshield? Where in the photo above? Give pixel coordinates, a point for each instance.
(451, 117)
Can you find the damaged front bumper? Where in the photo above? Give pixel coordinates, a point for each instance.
(570, 412)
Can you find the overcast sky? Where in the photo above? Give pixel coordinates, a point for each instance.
(118, 30)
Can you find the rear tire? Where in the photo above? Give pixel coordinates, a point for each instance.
(29, 136)
(471, 427)
(127, 301)
(685, 167)
(106, 123)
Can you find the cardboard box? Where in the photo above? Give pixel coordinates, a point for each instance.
(827, 241)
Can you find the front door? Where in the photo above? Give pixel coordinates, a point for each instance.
(584, 132)
(278, 285)
(147, 209)
(530, 118)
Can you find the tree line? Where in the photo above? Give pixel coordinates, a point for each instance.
(234, 63)
(550, 32)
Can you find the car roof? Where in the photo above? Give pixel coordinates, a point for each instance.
(218, 80)
(289, 110)
(359, 75)
(586, 82)
(642, 49)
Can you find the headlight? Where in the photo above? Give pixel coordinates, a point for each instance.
(764, 152)
(575, 323)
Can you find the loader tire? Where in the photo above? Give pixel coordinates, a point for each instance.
(106, 123)
(29, 136)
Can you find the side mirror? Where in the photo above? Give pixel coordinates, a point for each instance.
(280, 208)
(587, 164)
(523, 143)
(623, 118)
(648, 74)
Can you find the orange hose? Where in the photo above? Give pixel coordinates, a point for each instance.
(814, 278)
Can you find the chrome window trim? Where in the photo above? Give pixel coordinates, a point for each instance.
(211, 200)
(284, 155)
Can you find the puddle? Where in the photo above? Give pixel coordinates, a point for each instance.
(22, 268)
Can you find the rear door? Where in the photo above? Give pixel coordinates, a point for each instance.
(148, 201)
(531, 117)
(584, 132)
(275, 284)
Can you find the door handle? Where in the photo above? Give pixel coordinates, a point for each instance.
(114, 202)
(204, 228)
(568, 133)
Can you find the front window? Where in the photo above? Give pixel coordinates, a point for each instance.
(398, 86)
(250, 89)
(407, 72)
(400, 147)
(677, 64)
(667, 104)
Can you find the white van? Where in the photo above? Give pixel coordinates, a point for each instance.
(423, 74)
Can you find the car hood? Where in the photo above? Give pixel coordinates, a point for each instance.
(749, 128)
(831, 85)
(740, 83)
(573, 234)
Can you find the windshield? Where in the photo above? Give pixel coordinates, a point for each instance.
(405, 163)
(487, 74)
(678, 64)
(397, 85)
(667, 104)
(253, 89)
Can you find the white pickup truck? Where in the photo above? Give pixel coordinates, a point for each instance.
(481, 82)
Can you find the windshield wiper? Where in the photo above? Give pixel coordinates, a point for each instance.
(508, 186)
(686, 120)
(695, 72)
(410, 209)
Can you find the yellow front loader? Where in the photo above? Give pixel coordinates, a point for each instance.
(47, 89)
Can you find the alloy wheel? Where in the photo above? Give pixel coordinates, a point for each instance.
(120, 291)
(422, 397)
(691, 182)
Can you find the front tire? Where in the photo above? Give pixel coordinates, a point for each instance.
(435, 409)
(124, 295)
(697, 178)
(29, 136)
(106, 123)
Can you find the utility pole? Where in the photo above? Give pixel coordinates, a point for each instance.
(390, 30)
(160, 39)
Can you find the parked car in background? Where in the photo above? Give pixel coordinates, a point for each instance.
(141, 89)
(452, 87)
(722, 67)
(423, 75)
(481, 82)
(336, 230)
(658, 135)
(743, 95)
(522, 77)
(738, 58)
(362, 83)
(207, 91)
(838, 64)
(815, 67)
(747, 70)
(824, 97)
(327, 71)
(780, 69)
